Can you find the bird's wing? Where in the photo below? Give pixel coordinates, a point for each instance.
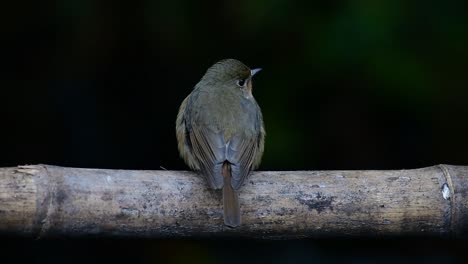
(183, 140)
(208, 147)
(245, 151)
(241, 153)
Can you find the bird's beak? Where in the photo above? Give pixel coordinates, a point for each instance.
(254, 71)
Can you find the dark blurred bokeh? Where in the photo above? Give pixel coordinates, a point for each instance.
(346, 85)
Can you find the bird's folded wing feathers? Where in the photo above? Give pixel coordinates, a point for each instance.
(241, 154)
(209, 147)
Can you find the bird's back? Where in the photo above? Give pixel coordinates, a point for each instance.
(218, 129)
(231, 115)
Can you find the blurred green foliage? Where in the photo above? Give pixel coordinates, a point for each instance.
(346, 84)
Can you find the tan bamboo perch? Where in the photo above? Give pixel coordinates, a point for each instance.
(44, 201)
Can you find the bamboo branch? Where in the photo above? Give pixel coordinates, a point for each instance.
(43, 201)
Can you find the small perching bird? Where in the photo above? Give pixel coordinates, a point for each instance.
(220, 131)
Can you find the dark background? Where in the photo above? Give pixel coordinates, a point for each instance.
(346, 85)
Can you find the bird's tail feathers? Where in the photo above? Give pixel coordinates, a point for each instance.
(232, 215)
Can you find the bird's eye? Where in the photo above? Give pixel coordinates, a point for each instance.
(241, 82)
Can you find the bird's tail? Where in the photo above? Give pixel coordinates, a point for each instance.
(232, 216)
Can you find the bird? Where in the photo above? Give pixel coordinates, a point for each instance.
(220, 131)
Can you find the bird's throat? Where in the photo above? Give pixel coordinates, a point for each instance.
(247, 91)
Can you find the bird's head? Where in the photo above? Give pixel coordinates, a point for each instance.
(230, 74)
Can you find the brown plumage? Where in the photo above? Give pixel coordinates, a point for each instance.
(220, 131)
